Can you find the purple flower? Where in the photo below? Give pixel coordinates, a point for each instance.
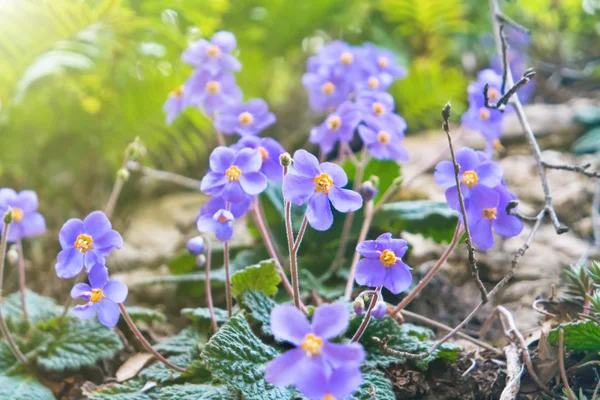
(212, 91)
(214, 55)
(490, 212)
(195, 245)
(373, 82)
(383, 265)
(341, 59)
(339, 126)
(384, 62)
(325, 90)
(269, 150)
(478, 177)
(27, 222)
(317, 185)
(221, 223)
(103, 297)
(380, 310)
(234, 175)
(85, 243)
(244, 119)
(377, 109)
(384, 142)
(175, 104)
(216, 203)
(314, 355)
(340, 384)
(478, 117)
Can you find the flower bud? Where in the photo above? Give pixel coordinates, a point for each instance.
(12, 255)
(123, 174)
(195, 245)
(135, 150)
(374, 179)
(368, 191)
(379, 311)
(285, 159)
(359, 306)
(8, 216)
(397, 181)
(200, 260)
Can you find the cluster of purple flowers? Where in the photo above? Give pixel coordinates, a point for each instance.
(27, 221)
(318, 368)
(350, 83)
(86, 244)
(485, 193)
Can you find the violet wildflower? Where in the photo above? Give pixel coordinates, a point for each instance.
(103, 297)
(380, 310)
(490, 212)
(176, 103)
(85, 243)
(384, 142)
(373, 82)
(212, 91)
(269, 150)
(27, 222)
(318, 185)
(216, 203)
(195, 246)
(341, 59)
(314, 355)
(244, 119)
(325, 90)
(339, 126)
(214, 55)
(377, 109)
(383, 265)
(221, 223)
(340, 384)
(234, 175)
(478, 177)
(384, 61)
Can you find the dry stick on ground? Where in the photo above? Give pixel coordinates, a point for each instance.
(561, 365)
(463, 209)
(514, 370)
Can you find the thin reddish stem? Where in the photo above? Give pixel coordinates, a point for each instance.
(361, 237)
(22, 286)
(207, 288)
(365, 322)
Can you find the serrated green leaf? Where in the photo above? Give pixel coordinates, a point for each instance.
(39, 308)
(259, 307)
(145, 314)
(237, 357)
(23, 388)
(184, 342)
(119, 391)
(160, 373)
(578, 336)
(386, 170)
(375, 386)
(78, 343)
(195, 392)
(202, 314)
(262, 277)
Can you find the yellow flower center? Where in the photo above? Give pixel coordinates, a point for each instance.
(373, 82)
(383, 62)
(233, 173)
(213, 51)
(312, 345)
(346, 58)
(246, 118)
(329, 397)
(324, 182)
(378, 109)
(213, 87)
(484, 114)
(17, 214)
(490, 213)
(388, 258)
(97, 295)
(334, 123)
(328, 88)
(177, 92)
(263, 153)
(497, 145)
(383, 137)
(83, 243)
(493, 94)
(470, 178)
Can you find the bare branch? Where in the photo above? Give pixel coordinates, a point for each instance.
(503, 101)
(506, 20)
(580, 169)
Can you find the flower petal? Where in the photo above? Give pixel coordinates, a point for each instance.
(69, 232)
(444, 174)
(319, 212)
(115, 290)
(481, 232)
(233, 192)
(344, 380)
(69, 263)
(287, 368)
(225, 40)
(98, 276)
(212, 182)
(248, 160)
(330, 320)
(81, 291)
(84, 311)
(490, 174)
(467, 159)
(96, 224)
(306, 164)
(345, 200)
(108, 313)
(336, 173)
(33, 224)
(370, 248)
(206, 223)
(339, 354)
(221, 158)
(27, 201)
(289, 324)
(253, 183)
(297, 188)
(370, 272)
(397, 278)
(92, 258)
(107, 242)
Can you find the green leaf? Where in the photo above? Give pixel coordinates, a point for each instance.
(259, 306)
(238, 358)
(23, 388)
(184, 342)
(195, 392)
(386, 170)
(588, 143)
(129, 390)
(578, 336)
(39, 308)
(7, 359)
(262, 277)
(432, 219)
(201, 315)
(375, 386)
(145, 314)
(160, 373)
(78, 343)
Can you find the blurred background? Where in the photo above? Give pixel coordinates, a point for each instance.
(80, 79)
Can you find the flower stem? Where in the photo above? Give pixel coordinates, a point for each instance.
(361, 237)
(365, 322)
(293, 253)
(114, 196)
(227, 279)
(457, 234)
(207, 288)
(5, 332)
(145, 343)
(22, 286)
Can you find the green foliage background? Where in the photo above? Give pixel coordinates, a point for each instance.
(79, 79)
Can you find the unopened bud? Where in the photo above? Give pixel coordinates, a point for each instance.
(12, 255)
(374, 179)
(379, 311)
(397, 181)
(195, 245)
(285, 159)
(123, 174)
(135, 150)
(359, 306)
(8, 216)
(368, 191)
(200, 261)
